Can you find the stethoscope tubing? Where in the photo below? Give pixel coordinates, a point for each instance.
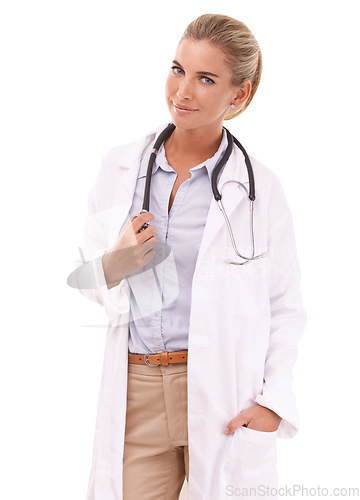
(163, 136)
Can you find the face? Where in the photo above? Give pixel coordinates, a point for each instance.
(199, 89)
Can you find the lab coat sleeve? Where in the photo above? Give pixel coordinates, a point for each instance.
(89, 277)
(288, 317)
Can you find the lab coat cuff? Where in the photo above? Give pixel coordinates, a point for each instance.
(289, 424)
(116, 299)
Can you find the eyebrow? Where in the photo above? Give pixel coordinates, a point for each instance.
(207, 73)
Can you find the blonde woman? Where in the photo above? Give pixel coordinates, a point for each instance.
(204, 306)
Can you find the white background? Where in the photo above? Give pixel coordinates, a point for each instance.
(79, 77)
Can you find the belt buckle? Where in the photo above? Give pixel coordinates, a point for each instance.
(146, 360)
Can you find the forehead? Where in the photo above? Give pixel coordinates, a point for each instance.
(201, 55)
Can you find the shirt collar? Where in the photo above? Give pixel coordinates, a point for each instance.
(161, 160)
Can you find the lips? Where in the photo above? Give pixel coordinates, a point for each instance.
(180, 108)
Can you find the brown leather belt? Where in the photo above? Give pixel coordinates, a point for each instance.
(159, 359)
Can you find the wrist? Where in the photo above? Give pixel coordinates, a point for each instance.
(110, 281)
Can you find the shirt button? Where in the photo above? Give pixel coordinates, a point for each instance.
(156, 313)
(158, 342)
(165, 222)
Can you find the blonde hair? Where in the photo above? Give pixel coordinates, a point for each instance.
(240, 47)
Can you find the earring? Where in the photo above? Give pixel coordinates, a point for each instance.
(232, 106)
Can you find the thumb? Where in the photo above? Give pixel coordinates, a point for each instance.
(239, 421)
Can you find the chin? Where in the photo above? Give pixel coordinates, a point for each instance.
(184, 122)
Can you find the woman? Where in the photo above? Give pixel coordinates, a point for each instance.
(199, 353)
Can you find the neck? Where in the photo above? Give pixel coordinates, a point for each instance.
(194, 143)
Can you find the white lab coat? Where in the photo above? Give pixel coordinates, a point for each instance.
(244, 327)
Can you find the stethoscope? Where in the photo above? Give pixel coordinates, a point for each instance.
(165, 134)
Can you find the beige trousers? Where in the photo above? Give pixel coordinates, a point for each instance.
(156, 456)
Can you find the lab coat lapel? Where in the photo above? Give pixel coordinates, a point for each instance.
(131, 156)
(129, 166)
(233, 196)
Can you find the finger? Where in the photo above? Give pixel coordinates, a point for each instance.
(149, 256)
(146, 257)
(139, 220)
(235, 423)
(148, 245)
(145, 235)
(141, 255)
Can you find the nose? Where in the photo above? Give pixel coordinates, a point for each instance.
(184, 90)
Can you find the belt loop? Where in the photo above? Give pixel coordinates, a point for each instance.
(164, 358)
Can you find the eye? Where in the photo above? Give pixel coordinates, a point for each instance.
(177, 71)
(207, 80)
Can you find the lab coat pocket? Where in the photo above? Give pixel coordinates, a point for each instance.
(251, 462)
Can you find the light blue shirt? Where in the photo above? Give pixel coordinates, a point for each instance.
(182, 230)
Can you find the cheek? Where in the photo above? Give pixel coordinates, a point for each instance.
(216, 101)
(169, 86)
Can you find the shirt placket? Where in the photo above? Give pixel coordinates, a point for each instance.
(165, 178)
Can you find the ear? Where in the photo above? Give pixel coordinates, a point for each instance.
(242, 94)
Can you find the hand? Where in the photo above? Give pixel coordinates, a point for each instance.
(257, 417)
(131, 251)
